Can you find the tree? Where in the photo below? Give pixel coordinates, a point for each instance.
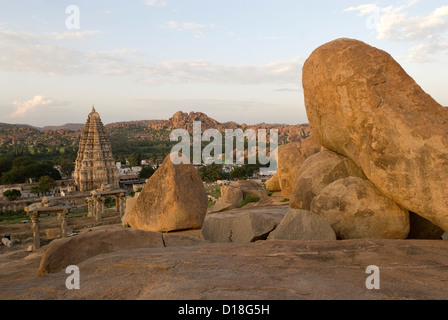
(135, 159)
(146, 173)
(44, 185)
(12, 194)
(67, 167)
(212, 172)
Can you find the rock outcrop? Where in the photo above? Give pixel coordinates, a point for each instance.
(232, 196)
(71, 251)
(242, 225)
(355, 209)
(317, 172)
(273, 184)
(174, 198)
(264, 270)
(362, 104)
(290, 158)
(302, 225)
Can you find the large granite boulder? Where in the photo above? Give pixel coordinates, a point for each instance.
(362, 104)
(317, 172)
(272, 184)
(242, 225)
(356, 209)
(174, 198)
(302, 225)
(232, 195)
(290, 158)
(71, 251)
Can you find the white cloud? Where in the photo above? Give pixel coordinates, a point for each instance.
(395, 23)
(426, 52)
(156, 3)
(41, 54)
(364, 9)
(198, 29)
(23, 108)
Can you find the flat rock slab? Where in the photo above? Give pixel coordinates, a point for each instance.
(243, 225)
(269, 270)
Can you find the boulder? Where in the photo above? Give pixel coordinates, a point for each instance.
(356, 209)
(273, 184)
(290, 158)
(232, 195)
(317, 172)
(71, 251)
(242, 225)
(130, 202)
(220, 206)
(362, 104)
(423, 229)
(302, 225)
(174, 198)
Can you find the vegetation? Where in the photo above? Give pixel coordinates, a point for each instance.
(284, 200)
(12, 195)
(147, 172)
(44, 185)
(24, 168)
(212, 172)
(110, 202)
(250, 199)
(11, 217)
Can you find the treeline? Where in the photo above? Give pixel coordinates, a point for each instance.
(21, 169)
(214, 172)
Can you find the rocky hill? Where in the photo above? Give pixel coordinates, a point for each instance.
(141, 130)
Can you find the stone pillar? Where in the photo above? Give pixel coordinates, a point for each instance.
(35, 229)
(64, 216)
(99, 207)
(91, 207)
(118, 204)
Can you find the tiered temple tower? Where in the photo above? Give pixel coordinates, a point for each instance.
(95, 164)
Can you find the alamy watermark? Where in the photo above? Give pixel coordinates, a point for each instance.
(257, 147)
(73, 21)
(373, 281)
(72, 281)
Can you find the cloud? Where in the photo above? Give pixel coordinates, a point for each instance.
(156, 3)
(23, 108)
(364, 9)
(395, 23)
(198, 29)
(426, 52)
(34, 53)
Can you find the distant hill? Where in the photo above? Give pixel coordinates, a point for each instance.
(68, 126)
(140, 130)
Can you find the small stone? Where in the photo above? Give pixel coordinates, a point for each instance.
(7, 243)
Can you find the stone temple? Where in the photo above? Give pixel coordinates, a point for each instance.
(95, 164)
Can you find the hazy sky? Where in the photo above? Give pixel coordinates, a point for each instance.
(235, 60)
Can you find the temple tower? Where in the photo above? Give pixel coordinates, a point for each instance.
(95, 164)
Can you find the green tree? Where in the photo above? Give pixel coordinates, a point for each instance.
(67, 167)
(147, 172)
(12, 194)
(212, 172)
(135, 159)
(44, 185)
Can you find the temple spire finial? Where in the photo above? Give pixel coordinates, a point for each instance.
(93, 108)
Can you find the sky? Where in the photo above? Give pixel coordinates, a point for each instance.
(235, 60)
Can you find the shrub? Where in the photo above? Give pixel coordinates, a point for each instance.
(250, 199)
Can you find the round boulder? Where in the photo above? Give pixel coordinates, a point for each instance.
(356, 209)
